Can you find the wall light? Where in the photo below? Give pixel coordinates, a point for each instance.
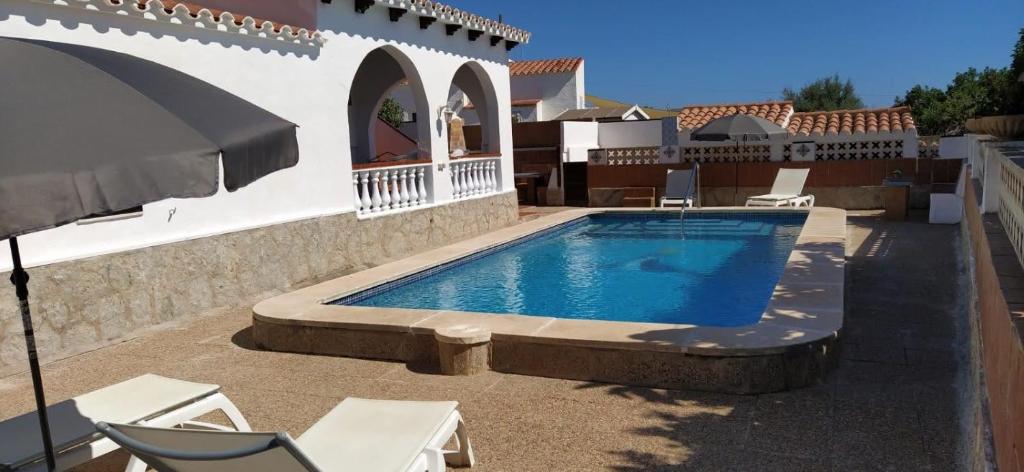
(445, 113)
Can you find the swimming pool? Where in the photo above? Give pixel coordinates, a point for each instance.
(727, 257)
(708, 269)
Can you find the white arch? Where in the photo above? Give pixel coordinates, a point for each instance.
(473, 80)
(378, 73)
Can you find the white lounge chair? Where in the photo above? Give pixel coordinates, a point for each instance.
(680, 187)
(787, 190)
(358, 435)
(148, 399)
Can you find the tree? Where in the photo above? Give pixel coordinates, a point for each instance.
(1016, 96)
(970, 94)
(391, 112)
(929, 110)
(825, 94)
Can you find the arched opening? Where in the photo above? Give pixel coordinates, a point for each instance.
(387, 110)
(473, 100)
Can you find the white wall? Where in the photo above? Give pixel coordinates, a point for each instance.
(558, 92)
(953, 147)
(305, 84)
(577, 138)
(580, 86)
(630, 134)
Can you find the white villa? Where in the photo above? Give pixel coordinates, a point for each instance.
(323, 65)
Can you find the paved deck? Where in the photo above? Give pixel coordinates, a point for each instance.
(891, 405)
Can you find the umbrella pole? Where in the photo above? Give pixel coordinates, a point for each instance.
(20, 280)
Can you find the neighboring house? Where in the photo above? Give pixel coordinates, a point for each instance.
(879, 133)
(541, 90)
(692, 117)
(605, 115)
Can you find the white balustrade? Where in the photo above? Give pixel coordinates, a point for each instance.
(475, 177)
(421, 189)
(390, 189)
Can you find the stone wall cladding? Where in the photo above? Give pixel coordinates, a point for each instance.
(84, 304)
(797, 367)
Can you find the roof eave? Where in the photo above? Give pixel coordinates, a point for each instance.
(453, 16)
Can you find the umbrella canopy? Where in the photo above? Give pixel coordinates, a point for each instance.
(738, 127)
(88, 131)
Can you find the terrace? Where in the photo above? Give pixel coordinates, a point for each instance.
(892, 399)
(723, 337)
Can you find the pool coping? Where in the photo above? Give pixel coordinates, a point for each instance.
(806, 306)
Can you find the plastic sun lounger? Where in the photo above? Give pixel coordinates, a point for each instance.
(680, 187)
(148, 399)
(786, 191)
(359, 435)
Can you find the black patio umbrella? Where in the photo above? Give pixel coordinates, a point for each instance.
(740, 128)
(89, 132)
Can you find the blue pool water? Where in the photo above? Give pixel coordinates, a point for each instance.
(715, 269)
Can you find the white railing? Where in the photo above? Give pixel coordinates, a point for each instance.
(473, 177)
(390, 189)
(1011, 194)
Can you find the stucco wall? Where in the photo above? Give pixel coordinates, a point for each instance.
(91, 302)
(577, 138)
(629, 134)
(558, 92)
(953, 147)
(303, 83)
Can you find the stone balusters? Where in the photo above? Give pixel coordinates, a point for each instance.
(389, 189)
(474, 177)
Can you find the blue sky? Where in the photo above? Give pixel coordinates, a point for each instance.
(676, 52)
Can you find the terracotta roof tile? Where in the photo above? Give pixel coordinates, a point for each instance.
(545, 66)
(881, 120)
(695, 116)
(194, 9)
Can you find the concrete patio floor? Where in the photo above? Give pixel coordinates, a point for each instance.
(891, 405)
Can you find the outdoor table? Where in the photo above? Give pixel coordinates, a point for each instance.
(531, 179)
(896, 198)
